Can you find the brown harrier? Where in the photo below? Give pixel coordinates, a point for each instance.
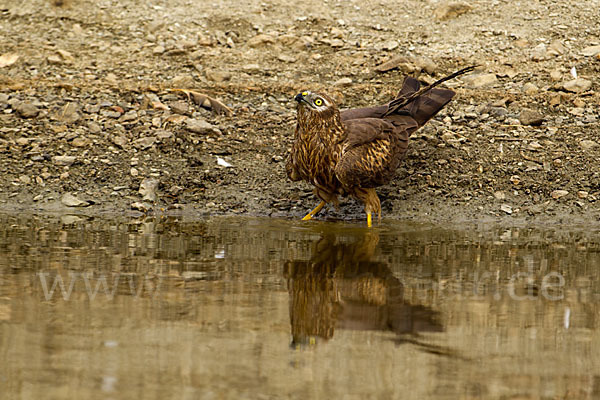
(354, 151)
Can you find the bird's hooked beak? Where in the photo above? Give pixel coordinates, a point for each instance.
(300, 98)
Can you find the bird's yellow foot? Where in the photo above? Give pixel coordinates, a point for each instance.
(314, 211)
(369, 220)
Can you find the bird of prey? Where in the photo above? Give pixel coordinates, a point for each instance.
(350, 153)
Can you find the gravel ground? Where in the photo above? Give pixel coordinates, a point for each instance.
(89, 121)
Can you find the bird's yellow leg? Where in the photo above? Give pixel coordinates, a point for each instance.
(369, 220)
(314, 211)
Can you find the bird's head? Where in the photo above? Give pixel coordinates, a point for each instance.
(316, 106)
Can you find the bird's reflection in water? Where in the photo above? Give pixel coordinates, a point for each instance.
(343, 287)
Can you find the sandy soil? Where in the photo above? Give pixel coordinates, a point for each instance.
(86, 108)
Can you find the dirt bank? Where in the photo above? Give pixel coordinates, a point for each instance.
(86, 108)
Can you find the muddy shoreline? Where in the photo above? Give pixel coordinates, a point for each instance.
(87, 107)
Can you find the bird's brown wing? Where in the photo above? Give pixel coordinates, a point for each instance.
(372, 150)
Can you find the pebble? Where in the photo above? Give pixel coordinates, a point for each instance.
(27, 110)
(531, 117)
(71, 201)
(94, 127)
(144, 143)
(530, 89)
(183, 81)
(64, 160)
(582, 194)
(481, 80)
(557, 194)
(179, 107)
(201, 126)
(141, 206)
(506, 208)
(217, 76)
(588, 144)
(148, 189)
(70, 113)
(451, 9)
(591, 51)
(578, 85)
(343, 82)
(260, 40)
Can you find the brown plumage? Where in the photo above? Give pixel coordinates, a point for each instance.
(352, 152)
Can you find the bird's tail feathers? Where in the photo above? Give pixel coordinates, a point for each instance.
(423, 103)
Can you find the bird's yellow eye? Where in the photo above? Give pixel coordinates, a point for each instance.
(318, 102)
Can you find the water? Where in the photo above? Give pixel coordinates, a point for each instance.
(261, 308)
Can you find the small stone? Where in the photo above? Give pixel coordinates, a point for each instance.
(158, 50)
(591, 51)
(260, 41)
(144, 143)
(556, 48)
(148, 189)
(134, 172)
(499, 195)
(217, 76)
(27, 110)
(582, 194)
(183, 81)
(534, 146)
(286, 58)
(54, 59)
(25, 179)
(481, 80)
(343, 82)
(71, 201)
(119, 140)
(69, 114)
(555, 100)
(530, 89)
(64, 160)
(556, 75)
(588, 144)
(94, 127)
(162, 134)
(578, 111)
(179, 107)
(557, 194)
(515, 179)
(578, 85)
(391, 45)
(506, 208)
(22, 141)
(175, 190)
(81, 142)
(66, 56)
(201, 126)
(251, 68)
(450, 10)
(531, 117)
(539, 52)
(141, 206)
